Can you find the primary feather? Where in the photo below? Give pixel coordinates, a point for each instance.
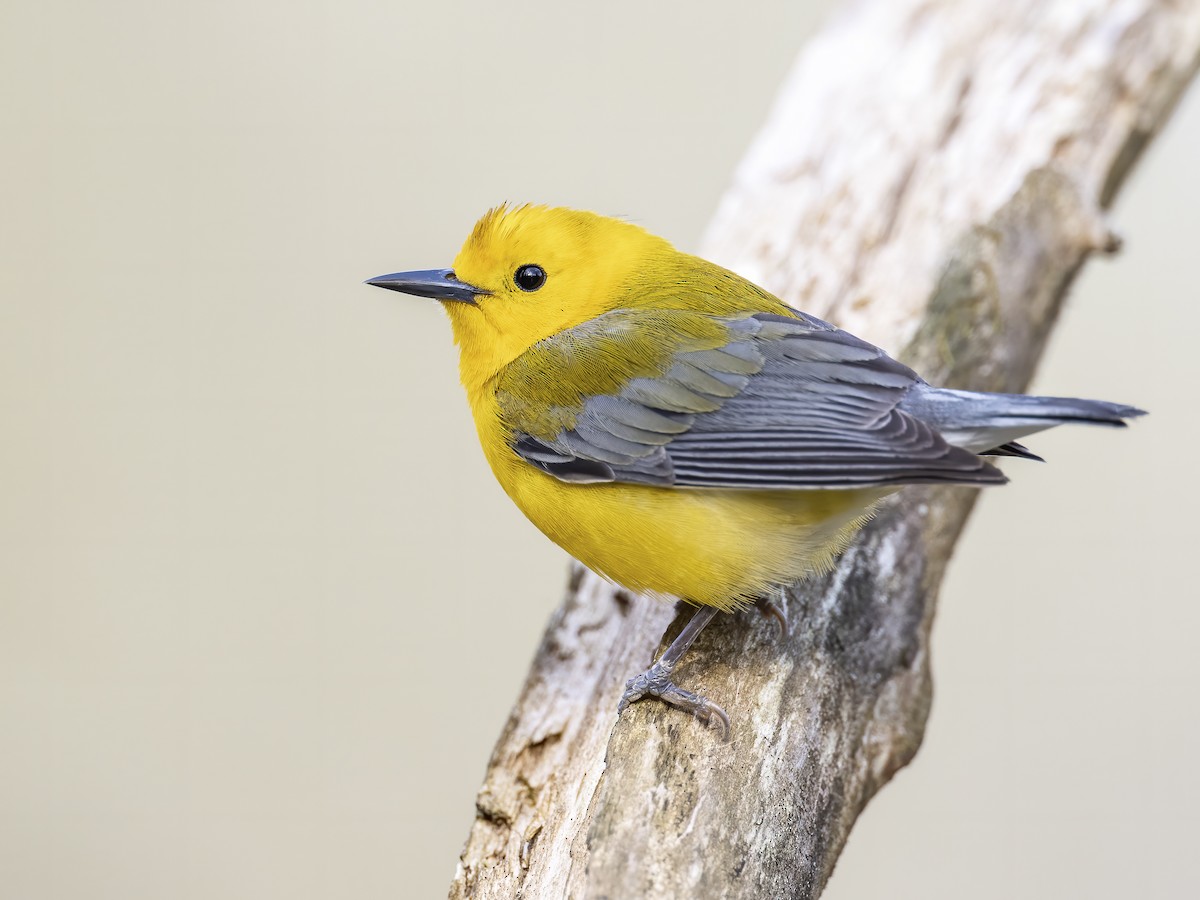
(783, 403)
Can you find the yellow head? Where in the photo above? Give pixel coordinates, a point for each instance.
(528, 272)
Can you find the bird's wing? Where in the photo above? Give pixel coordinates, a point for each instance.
(680, 399)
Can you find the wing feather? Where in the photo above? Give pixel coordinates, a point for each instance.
(783, 403)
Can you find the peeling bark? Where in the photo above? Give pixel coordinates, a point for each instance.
(932, 177)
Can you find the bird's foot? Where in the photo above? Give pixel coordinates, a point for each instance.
(775, 610)
(656, 682)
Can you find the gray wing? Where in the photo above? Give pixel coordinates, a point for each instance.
(785, 404)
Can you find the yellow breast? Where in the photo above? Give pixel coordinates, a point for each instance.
(719, 548)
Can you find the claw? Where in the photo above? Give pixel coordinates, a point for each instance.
(773, 610)
(656, 682)
(700, 707)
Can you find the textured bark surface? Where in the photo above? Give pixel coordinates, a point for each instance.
(932, 176)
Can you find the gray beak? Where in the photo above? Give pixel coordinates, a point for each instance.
(440, 284)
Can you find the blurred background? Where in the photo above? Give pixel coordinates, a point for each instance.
(250, 554)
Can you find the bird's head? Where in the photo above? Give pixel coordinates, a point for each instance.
(528, 272)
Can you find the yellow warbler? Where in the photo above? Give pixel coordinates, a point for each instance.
(683, 432)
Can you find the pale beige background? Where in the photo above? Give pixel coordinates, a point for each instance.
(262, 608)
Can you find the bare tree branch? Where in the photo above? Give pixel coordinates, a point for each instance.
(932, 177)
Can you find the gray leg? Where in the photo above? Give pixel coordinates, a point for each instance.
(656, 681)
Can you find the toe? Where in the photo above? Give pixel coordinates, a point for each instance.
(774, 610)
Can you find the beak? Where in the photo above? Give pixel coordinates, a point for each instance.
(440, 284)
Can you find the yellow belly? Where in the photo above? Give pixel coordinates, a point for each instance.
(719, 548)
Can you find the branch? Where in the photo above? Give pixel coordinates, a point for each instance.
(931, 178)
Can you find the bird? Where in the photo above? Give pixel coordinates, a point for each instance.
(683, 432)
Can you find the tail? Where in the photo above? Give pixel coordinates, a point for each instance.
(993, 422)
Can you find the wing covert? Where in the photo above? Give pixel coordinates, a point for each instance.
(770, 403)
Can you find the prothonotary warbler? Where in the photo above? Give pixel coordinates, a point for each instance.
(681, 431)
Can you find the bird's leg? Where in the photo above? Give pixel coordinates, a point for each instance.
(775, 609)
(656, 681)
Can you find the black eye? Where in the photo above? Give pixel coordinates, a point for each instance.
(530, 278)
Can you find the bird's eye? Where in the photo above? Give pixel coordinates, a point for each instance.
(530, 278)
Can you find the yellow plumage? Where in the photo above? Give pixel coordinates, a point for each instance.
(680, 430)
(714, 547)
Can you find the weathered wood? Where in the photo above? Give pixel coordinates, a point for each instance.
(932, 177)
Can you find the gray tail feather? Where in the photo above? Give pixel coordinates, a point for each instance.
(993, 422)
